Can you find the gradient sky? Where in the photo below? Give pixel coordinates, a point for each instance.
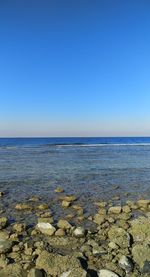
(74, 68)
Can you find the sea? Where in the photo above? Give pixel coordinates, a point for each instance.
(92, 168)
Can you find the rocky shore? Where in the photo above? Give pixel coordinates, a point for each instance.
(116, 242)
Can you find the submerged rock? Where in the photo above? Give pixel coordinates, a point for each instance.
(65, 204)
(59, 190)
(43, 207)
(21, 206)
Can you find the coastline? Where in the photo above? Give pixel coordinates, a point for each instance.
(114, 243)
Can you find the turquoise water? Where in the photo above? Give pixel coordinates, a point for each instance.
(88, 167)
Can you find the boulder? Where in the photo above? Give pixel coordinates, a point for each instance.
(141, 256)
(119, 236)
(140, 229)
(55, 264)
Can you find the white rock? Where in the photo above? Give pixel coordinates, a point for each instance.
(126, 264)
(79, 232)
(46, 228)
(106, 273)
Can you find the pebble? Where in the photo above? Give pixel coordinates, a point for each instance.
(46, 228)
(79, 232)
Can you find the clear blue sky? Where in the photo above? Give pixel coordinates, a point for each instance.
(74, 68)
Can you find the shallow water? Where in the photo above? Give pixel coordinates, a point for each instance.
(87, 167)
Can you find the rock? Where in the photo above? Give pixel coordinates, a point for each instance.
(141, 256)
(21, 206)
(35, 272)
(143, 203)
(99, 250)
(79, 232)
(99, 219)
(59, 190)
(46, 228)
(46, 220)
(5, 246)
(126, 264)
(119, 236)
(107, 273)
(113, 245)
(19, 227)
(43, 207)
(13, 270)
(46, 214)
(3, 222)
(4, 235)
(76, 207)
(60, 233)
(140, 229)
(64, 224)
(55, 264)
(65, 204)
(101, 204)
(3, 261)
(126, 209)
(70, 198)
(1, 193)
(34, 199)
(115, 210)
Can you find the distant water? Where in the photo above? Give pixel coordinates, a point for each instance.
(88, 167)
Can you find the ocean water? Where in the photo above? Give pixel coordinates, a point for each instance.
(87, 167)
